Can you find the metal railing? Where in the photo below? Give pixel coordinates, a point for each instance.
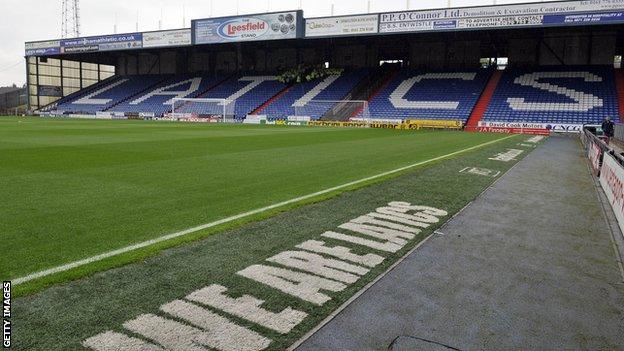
(589, 137)
(618, 132)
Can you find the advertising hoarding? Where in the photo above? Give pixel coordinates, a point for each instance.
(269, 26)
(179, 37)
(612, 181)
(102, 43)
(594, 153)
(49, 90)
(338, 26)
(522, 15)
(43, 48)
(553, 127)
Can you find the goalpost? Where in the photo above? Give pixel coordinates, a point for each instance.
(334, 110)
(202, 109)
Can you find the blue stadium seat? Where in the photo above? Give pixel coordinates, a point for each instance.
(330, 88)
(249, 91)
(158, 99)
(105, 94)
(566, 95)
(413, 94)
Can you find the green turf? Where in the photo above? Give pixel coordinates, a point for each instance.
(76, 188)
(61, 317)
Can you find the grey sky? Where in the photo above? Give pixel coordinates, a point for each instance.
(26, 20)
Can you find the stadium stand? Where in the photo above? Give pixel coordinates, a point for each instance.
(330, 88)
(158, 99)
(569, 95)
(249, 92)
(108, 93)
(413, 94)
(484, 100)
(619, 83)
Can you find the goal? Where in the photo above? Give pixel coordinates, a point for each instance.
(214, 110)
(334, 110)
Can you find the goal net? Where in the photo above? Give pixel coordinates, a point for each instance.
(215, 110)
(334, 110)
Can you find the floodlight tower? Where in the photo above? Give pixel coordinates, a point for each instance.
(70, 27)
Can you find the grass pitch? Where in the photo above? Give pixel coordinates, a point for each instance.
(72, 189)
(64, 316)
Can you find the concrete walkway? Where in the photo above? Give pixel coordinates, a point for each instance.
(530, 265)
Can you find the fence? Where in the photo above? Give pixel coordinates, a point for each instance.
(608, 166)
(12, 102)
(618, 132)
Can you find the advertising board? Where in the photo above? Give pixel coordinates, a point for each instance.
(551, 127)
(612, 181)
(594, 153)
(49, 90)
(102, 43)
(338, 26)
(178, 37)
(521, 15)
(269, 26)
(43, 48)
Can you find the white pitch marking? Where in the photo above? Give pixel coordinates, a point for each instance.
(167, 237)
(112, 341)
(303, 286)
(374, 244)
(319, 265)
(221, 333)
(341, 252)
(248, 307)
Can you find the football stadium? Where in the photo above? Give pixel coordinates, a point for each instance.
(417, 179)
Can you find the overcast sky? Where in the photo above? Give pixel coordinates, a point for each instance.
(26, 20)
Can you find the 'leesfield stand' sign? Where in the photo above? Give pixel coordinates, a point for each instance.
(268, 26)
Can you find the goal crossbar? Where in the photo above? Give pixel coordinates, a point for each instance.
(202, 108)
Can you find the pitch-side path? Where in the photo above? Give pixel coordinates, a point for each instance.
(529, 265)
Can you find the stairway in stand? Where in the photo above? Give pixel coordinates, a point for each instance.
(484, 101)
(619, 83)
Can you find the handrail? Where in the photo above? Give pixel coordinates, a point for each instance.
(604, 146)
(618, 132)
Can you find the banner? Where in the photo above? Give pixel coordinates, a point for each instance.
(553, 127)
(531, 131)
(585, 18)
(49, 90)
(43, 48)
(521, 15)
(338, 26)
(594, 153)
(612, 181)
(433, 123)
(337, 124)
(270, 26)
(166, 38)
(102, 43)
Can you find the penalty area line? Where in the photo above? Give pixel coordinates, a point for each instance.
(147, 243)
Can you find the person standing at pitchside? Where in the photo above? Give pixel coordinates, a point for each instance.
(607, 129)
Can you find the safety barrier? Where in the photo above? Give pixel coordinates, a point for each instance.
(608, 166)
(618, 132)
